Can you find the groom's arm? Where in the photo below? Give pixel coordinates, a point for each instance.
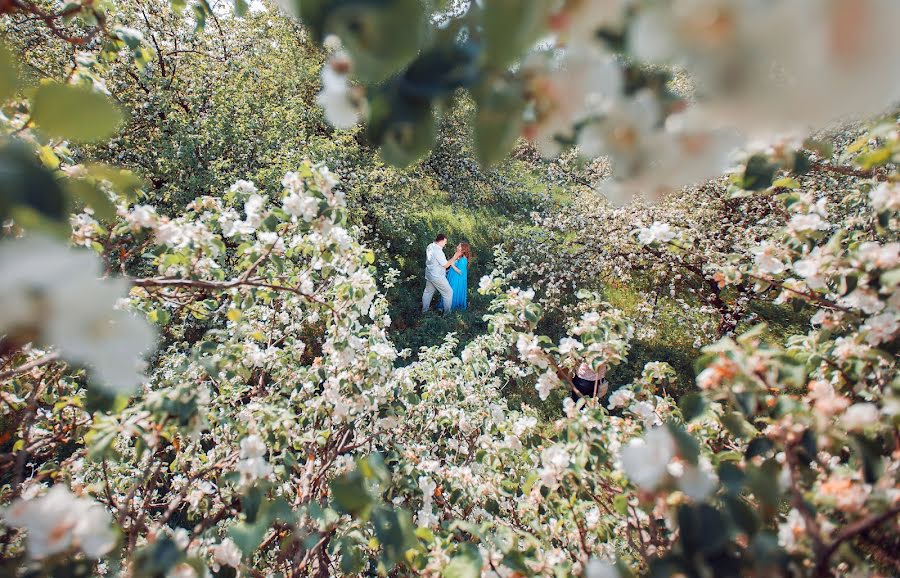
(442, 259)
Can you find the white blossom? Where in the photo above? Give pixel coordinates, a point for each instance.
(767, 260)
(645, 459)
(142, 217)
(343, 103)
(620, 398)
(885, 197)
(303, 206)
(76, 308)
(860, 415)
(656, 233)
(58, 521)
(547, 382)
(881, 328)
(531, 351)
(226, 553)
(243, 187)
(253, 464)
(601, 569)
(791, 530)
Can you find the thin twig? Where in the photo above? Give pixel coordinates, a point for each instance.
(44, 360)
(849, 533)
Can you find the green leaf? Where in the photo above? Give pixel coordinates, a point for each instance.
(123, 181)
(251, 502)
(395, 532)
(688, 447)
(702, 528)
(157, 558)
(498, 120)
(351, 494)
(407, 134)
(381, 37)
(92, 196)
(353, 560)
(9, 78)
(620, 504)
(692, 406)
(143, 56)
(312, 13)
(511, 27)
(875, 158)
(248, 537)
(759, 173)
(802, 163)
(786, 183)
(131, 37)
(823, 148)
(732, 477)
(466, 563)
(869, 453)
(759, 447)
(159, 316)
(48, 158)
(26, 182)
(74, 113)
(742, 514)
(763, 482)
(735, 423)
(201, 11)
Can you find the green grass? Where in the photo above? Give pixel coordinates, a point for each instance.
(672, 342)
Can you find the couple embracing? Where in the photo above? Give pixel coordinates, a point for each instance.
(447, 277)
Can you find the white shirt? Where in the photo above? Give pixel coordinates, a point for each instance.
(435, 261)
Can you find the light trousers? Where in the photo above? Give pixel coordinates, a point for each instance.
(442, 286)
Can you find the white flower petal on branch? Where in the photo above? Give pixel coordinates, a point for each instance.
(46, 283)
(87, 330)
(656, 233)
(342, 102)
(58, 521)
(645, 460)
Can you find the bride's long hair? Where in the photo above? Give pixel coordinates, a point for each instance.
(466, 250)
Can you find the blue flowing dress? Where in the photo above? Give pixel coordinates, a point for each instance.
(458, 282)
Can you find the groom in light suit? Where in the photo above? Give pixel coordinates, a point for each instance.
(436, 265)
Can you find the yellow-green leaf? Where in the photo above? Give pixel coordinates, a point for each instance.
(234, 315)
(786, 183)
(123, 181)
(74, 113)
(93, 197)
(9, 80)
(875, 158)
(48, 157)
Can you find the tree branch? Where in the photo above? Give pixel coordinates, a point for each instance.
(849, 533)
(49, 358)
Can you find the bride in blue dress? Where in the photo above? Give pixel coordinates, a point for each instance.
(457, 276)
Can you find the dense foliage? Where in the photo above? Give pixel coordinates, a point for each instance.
(209, 286)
